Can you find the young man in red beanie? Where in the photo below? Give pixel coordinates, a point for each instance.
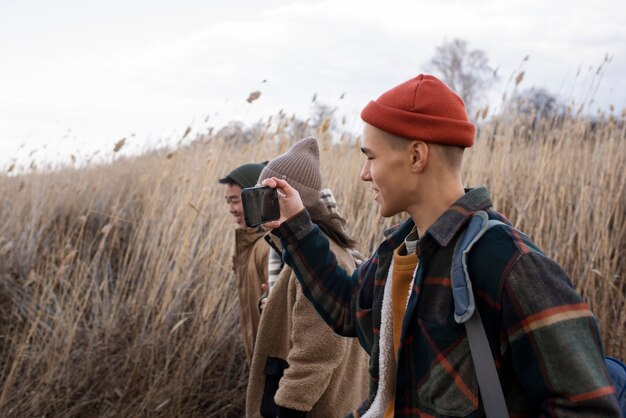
(542, 336)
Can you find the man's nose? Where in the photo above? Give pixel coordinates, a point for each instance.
(365, 172)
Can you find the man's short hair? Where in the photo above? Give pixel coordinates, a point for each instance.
(452, 154)
(228, 180)
(396, 142)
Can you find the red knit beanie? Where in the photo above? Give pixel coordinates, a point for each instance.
(422, 108)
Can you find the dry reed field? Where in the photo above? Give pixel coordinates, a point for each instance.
(116, 292)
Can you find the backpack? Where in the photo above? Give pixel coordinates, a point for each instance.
(617, 371)
(465, 312)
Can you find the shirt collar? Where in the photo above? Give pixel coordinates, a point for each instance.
(457, 215)
(411, 241)
(396, 234)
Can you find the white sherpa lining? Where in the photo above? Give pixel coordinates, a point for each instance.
(386, 359)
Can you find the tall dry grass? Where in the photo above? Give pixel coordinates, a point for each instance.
(116, 292)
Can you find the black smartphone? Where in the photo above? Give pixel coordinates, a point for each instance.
(260, 205)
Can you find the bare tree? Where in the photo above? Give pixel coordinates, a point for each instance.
(465, 71)
(322, 114)
(539, 102)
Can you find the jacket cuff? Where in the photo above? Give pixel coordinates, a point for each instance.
(295, 228)
(290, 413)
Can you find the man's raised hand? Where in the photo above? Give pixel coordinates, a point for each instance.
(288, 199)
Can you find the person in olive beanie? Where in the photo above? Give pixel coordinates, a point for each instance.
(300, 367)
(245, 175)
(542, 336)
(251, 252)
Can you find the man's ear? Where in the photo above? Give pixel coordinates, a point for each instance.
(419, 154)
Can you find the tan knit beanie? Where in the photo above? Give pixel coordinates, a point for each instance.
(300, 166)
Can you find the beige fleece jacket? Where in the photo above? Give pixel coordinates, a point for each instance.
(327, 374)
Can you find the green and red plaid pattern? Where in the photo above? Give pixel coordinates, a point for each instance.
(543, 337)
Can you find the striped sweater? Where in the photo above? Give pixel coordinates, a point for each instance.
(543, 337)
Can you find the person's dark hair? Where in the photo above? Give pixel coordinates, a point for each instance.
(331, 225)
(228, 180)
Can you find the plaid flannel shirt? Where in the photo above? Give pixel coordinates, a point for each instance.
(543, 337)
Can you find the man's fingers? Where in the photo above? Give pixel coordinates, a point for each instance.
(289, 200)
(272, 224)
(269, 182)
(280, 184)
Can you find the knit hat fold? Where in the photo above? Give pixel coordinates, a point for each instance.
(300, 166)
(422, 108)
(245, 175)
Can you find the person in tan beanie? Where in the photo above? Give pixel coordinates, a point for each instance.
(538, 335)
(300, 367)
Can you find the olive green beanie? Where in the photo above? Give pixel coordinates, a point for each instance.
(245, 175)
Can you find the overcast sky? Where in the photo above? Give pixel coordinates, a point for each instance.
(76, 76)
